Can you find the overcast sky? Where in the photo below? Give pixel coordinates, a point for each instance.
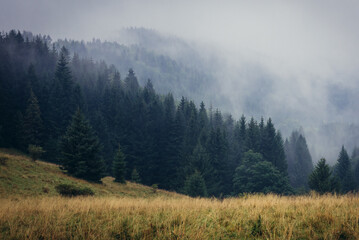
(318, 36)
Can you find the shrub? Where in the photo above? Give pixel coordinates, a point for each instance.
(3, 161)
(35, 152)
(69, 190)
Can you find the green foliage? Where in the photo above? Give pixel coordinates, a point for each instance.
(299, 160)
(135, 177)
(68, 190)
(258, 175)
(35, 152)
(33, 125)
(195, 185)
(80, 150)
(343, 171)
(257, 228)
(119, 166)
(320, 179)
(163, 141)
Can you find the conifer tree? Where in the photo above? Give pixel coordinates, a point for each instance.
(195, 186)
(343, 171)
(61, 96)
(320, 179)
(80, 150)
(33, 126)
(131, 82)
(343, 164)
(118, 166)
(299, 160)
(135, 177)
(252, 136)
(255, 174)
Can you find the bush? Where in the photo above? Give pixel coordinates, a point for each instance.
(35, 152)
(3, 161)
(69, 190)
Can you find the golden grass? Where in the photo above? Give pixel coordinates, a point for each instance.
(249, 217)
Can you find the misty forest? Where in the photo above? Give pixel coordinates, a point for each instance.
(61, 105)
(178, 120)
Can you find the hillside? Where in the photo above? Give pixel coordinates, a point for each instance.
(20, 176)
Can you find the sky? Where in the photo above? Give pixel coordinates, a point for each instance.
(318, 36)
(310, 47)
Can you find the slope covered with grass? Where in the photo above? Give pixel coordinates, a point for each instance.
(19, 176)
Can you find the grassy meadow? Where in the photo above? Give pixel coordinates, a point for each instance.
(30, 208)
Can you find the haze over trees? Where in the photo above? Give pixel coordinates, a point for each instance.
(80, 111)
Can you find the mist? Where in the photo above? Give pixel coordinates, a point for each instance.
(293, 61)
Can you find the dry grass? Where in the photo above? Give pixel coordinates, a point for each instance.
(134, 211)
(22, 177)
(250, 217)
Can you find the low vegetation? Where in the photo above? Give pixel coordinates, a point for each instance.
(22, 177)
(249, 217)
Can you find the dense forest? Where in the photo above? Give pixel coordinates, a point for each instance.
(94, 122)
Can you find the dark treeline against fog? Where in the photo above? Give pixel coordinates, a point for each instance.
(83, 115)
(293, 61)
(290, 64)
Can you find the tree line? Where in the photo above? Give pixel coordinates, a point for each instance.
(93, 122)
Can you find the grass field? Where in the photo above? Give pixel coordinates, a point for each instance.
(251, 217)
(133, 211)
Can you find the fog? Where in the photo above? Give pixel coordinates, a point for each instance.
(294, 61)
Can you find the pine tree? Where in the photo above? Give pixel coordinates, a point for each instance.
(299, 160)
(252, 136)
(33, 126)
(118, 166)
(135, 177)
(320, 179)
(131, 82)
(343, 164)
(61, 96)
(80, 150)
(344, 172)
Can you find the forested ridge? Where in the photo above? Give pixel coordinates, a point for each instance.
(95, 122)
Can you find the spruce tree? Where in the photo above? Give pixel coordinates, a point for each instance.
(80, 150)
(135, 177)
(195, 186)
(32, 124)
(61, 96)
(299, 160)
(320, 179)
(344, 172)
(118, 166)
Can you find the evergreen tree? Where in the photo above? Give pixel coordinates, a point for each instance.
(195, 186)
(257, 175)
(299, 161)
(344, 172)
(131, 82)
(252, 136)
(80, 150)
(320, 179)
(61, 96)
(135, 177)
(33, 126)
(118, 166)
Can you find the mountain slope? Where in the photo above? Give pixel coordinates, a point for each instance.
(19, 176)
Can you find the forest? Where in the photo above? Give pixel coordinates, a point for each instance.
(94, 122)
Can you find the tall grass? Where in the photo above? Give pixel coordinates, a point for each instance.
(249, 217)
